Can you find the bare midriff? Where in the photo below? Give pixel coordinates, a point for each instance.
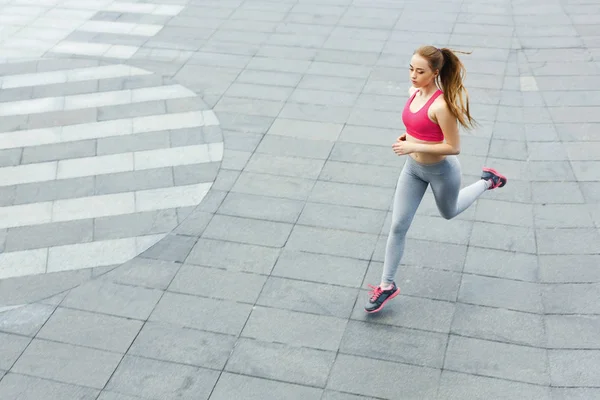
(424, 158)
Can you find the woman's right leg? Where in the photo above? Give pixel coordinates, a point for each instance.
(409, 193)
(408, 196)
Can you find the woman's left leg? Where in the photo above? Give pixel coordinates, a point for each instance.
(449, 198)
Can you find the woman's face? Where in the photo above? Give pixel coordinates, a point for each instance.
(421, 74)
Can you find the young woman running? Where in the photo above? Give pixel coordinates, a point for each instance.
(431, 117)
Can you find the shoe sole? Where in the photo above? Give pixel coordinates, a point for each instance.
(396, 293)
(503, 179)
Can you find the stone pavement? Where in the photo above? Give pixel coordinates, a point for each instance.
(276, 119)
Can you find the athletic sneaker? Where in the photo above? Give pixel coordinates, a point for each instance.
(498, 180)
(378, 297)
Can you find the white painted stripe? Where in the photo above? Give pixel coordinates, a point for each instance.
(95, 49)
(21, 263)
(116, 127)
(98, 99)
(71, 75)
(123, 28)
(110, 164)
(145, 8)
(103, 205)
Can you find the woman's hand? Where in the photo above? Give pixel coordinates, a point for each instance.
(402, 147)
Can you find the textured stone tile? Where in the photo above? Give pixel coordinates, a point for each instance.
(25, 320)
(150, 378)
(11, 348)
(144, 272)
(295, 328)
(342, 217)
(499, 324)
(568, 241)
(329, 241)
(201, 313)
(48, 235)
(571, 298)
(22, 387)
(561, 328)
(274, 186)
(502, 264)
(574, 367)
(98, 331)
(503, 237)
(236, 286)
(394, 344)
(67, 363)
(457, 386)
(261, 207)
(232, 386)
(382, 378)
(234, 256)
(504, 212)
(54, 190)
(498, 292)
(500, 360)
(250, 231)
(294, 147)
(281, 362)
(314, 298)
(283, 165)
(171, 248)
(574, 393)
(113, 299)
(183, 345)
(582, 268)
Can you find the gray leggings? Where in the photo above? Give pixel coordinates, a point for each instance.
(444, 177)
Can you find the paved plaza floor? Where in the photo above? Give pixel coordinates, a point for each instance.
(195, 195)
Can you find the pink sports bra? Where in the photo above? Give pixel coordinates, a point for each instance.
(418, 124)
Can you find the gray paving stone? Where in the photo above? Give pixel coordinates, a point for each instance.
(557, 193)
(261, 207)
(411, 381)
(10, 157)
(568, 241)
(294, 147)
(195, 173)
(234, 256)
(563, 216)
(502, 264)
(194, 223)
(11, 348)
(330, 241)
(144, 272)
(315, 112)
(233, 385)
(571, 298)
(498, 324)
(342, 217)
(131, 110)
(226, 179)
(439, 229)
(573, 367)
(130, 225)
(86, 329)
(365, 154)
(22, 387)
(183, 345)
(151, 378)
(236, 286)
(500, 360)
(218, 316)
(421, 282)
(60, 118)
(67, 363)
(25, 320)
(54, 190)
(574, 393)
(136, 180)
(582, 268)
(250, 231)
(572, 331)
(359, 174)
(236, 160)
(48, 235)
(455, 386)
(273, 186)
(503, 293)
(113, 299)
(171, 248)
(292, 364)
(394, 344)
(138, 142)
(295, 328)
(285, 165)
(503, 237)
(314, 298)
(54, 152)
(320, 268)
(7, 198)
(352, 195)
(240, 141)
(331, 395)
